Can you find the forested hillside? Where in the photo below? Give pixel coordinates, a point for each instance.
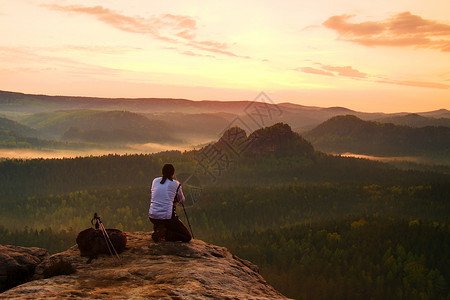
(17, 128)
(107, 127)
(350, 134)
(415, 120)
(353, 258)
(16, 135)
(318, 226)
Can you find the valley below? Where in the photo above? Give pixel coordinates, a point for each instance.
(328, 202)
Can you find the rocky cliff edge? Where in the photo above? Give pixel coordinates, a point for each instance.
(149, 270)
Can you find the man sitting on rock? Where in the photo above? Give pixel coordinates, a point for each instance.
(165, 194)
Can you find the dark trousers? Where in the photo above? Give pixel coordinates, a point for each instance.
(176, 230)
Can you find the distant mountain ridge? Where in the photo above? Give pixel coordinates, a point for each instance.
(28, 103)
(180, 122)
(349, 133)
(416, 120)
(19, 102)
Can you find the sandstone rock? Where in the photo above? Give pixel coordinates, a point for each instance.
(166, 270)
(17, 264)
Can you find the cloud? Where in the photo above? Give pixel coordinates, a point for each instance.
(345, 71)
(314, 71)
(212, 44)
(190, 53)
(327, 70)
(434, 85)
(402, 30)
(29, 56)
(98, 49)
(186, 34)
(310, 27)
(349, 71)
(340, 24)
(175, 29)
(151, 26)
(180, 22)
(217, 51)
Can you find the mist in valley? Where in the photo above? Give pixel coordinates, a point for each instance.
(307, 188)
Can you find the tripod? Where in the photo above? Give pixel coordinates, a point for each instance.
(109, 244)
(187, 218)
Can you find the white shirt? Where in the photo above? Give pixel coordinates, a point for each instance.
(162, 198)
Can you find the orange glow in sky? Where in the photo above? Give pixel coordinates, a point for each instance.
(384, 55)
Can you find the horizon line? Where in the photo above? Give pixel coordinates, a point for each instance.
(220, 101)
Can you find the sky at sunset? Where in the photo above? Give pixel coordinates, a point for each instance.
(385, 55)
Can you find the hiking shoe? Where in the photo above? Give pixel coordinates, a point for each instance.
(159, 234)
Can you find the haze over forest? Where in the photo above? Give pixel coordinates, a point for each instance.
(41, 124)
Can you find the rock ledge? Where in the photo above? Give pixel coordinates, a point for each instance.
(17, 264)
(167, 270)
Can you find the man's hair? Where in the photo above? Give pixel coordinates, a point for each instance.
(167, 171)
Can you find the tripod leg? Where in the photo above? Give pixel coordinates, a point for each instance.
(187, 218)
(108, 242)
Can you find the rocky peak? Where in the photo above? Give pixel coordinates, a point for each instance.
(278, 140)
(167, 270)
(234, 136)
